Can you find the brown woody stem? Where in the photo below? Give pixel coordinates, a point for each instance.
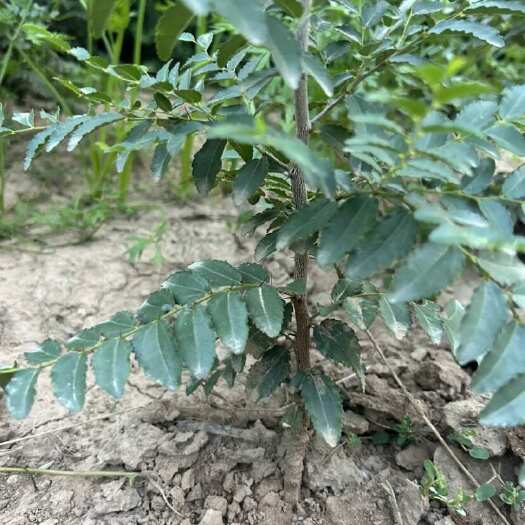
(303, 126)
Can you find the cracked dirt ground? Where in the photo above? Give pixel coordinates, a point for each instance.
(206, 464)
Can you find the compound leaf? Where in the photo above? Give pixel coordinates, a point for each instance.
(89, 125)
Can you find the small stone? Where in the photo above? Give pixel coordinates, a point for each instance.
(116, 499)
(178, 497)
(188, 480)
(212, 517)
(263, 469)
(228, 483)
(433, 374)
(195, 493)
(419, 354)
(240, 493)
(217, 503)
(271, 499)
(354, 423)
(249, 504)
(413, 456)
(268, 485)
(233, 510)
(185, 522)
(248, 455)
(200, 440)
(182, 437)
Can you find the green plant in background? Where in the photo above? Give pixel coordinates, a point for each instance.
(139, 243)
(389, 182)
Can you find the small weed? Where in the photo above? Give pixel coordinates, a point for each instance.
(139, 243)
(464, 438)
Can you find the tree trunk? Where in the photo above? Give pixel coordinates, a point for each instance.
(302, 122)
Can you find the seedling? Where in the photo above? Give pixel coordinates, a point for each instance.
(393, 189)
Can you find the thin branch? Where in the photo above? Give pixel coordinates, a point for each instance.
(420, 410)
(72, 473)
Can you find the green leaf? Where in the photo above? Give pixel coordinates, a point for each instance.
(196, 339)
(156, 305)
(317, 172)
(98, 13)
(317, 70)
(396, 317)
(86, 338)
(361, 312)
(35, 144)
(479, 453)
(266, 246)
(512, 105)
(389, 241)
(480, 31)
(119, 324)
(155, 349)
(497, 215)
(350, 223)
(49, 350)
(507, 406)
(207, 164)
(292, 7)
(169, 27)
(481, 178)
(252, 273)
(454, 313)
(285, 51)
(509, 138)
(111, 365)
(514, 185)
(323, 405)
(247, 17)
(270, 371)
(249, 178)
(217, 273)
(338, 342)
(187, 286)
(266, 309)
(497, 7)
(427, 315)
(484, 317)
(427, 271)
(89, 125)
(230, 318)
(20, 392)
(229, 49)
(160, 161)
(306, 221)
(485, 492)
(504, 361)
(68, 376)
(62, 130)
(504, 268)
